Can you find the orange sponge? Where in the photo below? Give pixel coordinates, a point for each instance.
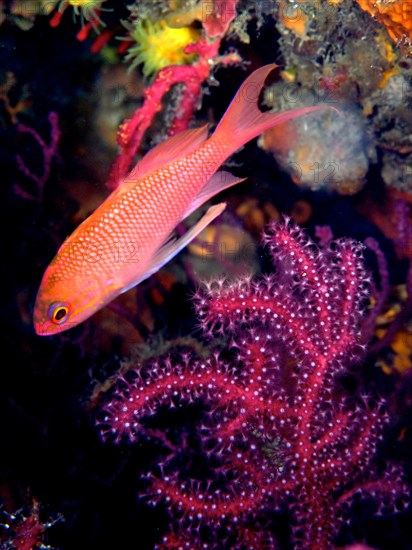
(396, 15)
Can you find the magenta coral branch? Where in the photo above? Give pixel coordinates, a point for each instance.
(277, 427)
(383, 490)
(210, 505)
(380, 296)
(191, 77)
(49, 151)
(240, 305)
(143, 395)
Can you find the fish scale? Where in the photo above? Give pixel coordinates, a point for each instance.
(128, 237)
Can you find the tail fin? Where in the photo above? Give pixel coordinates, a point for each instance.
(243, 120)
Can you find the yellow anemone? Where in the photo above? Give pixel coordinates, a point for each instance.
(158, 45)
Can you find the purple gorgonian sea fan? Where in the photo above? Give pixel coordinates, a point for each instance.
(280, 433)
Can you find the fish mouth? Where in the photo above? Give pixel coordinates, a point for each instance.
(38, 323)
(47, 328)
(44, 327)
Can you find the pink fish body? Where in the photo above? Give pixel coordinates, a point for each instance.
(128, 237)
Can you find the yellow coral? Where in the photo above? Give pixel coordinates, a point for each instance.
(87, 9)
(387, 51)
(402, 347)
(402, 351)
(158, 45)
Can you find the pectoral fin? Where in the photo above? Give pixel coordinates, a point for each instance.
(218, 182)
(173, 246)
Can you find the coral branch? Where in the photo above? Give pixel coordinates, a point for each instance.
(278, 427)
(216, 18)
(49, 151)
(191, 77)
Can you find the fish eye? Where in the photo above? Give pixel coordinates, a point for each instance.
(58, 312)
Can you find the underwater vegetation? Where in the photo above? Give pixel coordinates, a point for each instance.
(25, 532)
(248, 395)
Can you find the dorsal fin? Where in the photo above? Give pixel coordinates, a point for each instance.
(177, 146)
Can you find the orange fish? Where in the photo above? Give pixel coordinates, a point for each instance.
(128, 237)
